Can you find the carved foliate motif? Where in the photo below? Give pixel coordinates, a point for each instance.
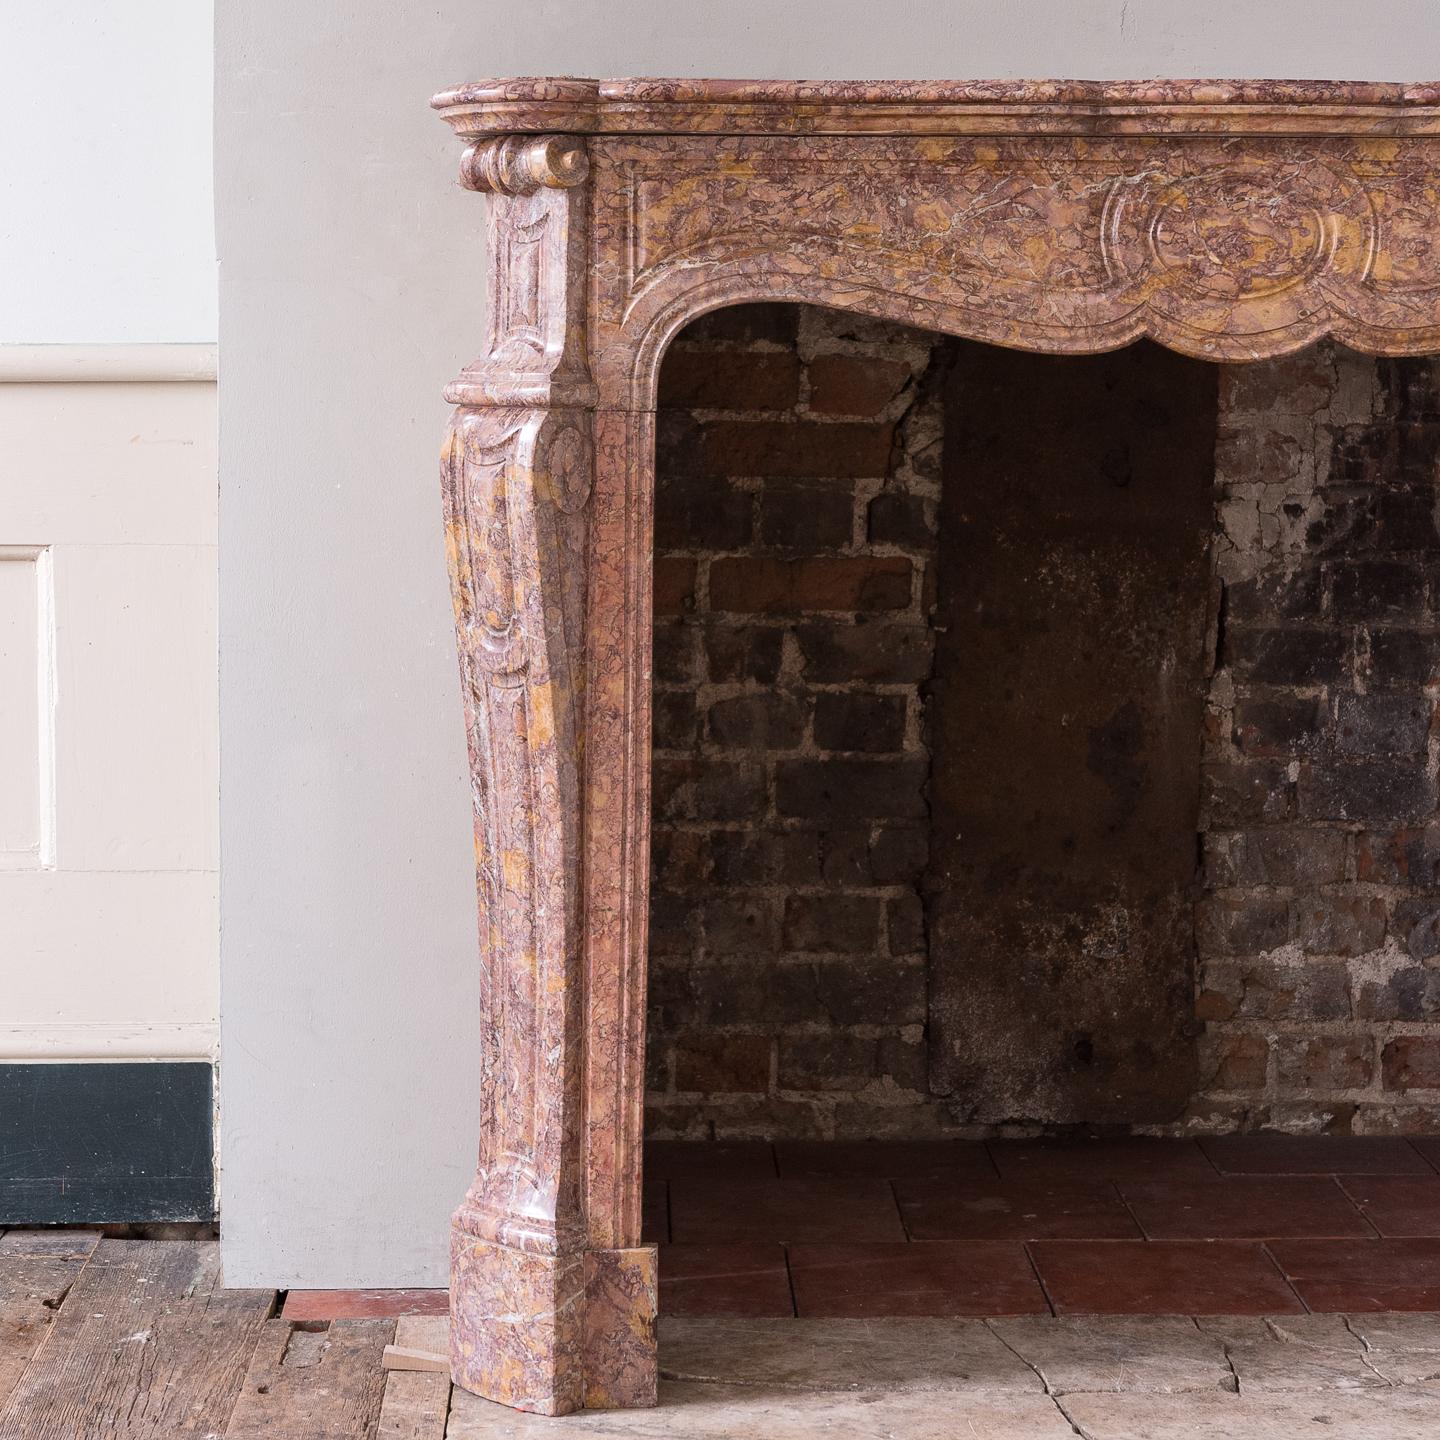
(1248, 234)
(1229, 248)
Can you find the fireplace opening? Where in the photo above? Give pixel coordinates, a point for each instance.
(1040, 744)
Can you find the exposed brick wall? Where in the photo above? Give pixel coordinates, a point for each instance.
(794, 538)
(1319, 934)
(799, 463)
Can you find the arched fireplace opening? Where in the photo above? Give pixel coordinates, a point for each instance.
(1030, 734)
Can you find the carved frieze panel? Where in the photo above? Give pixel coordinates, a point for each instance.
(1226, 248)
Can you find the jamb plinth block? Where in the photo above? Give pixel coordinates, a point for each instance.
(550, 1334)
(621, 1292)
(515, 1325)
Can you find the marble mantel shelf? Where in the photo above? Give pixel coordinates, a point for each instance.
(1231, 220)
(939, 107)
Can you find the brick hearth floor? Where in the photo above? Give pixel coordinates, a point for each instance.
(1243, 1225)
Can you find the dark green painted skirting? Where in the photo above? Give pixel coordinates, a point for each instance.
(106, 1144)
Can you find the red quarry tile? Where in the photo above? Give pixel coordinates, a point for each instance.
(1398, 1205)
(1245, 1207)
(884, 1159)
(1362, 1275)
(940, 1277)
(655, 1213)
(724, 1280)
(1161, 1277)
(1429, 1147)
(363, 1304)
(1265, 1154)
(727, 1212)
(943, 1209)
(1061, 1162)
(706, 1159)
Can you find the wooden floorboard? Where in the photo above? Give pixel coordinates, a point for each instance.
(146, 1344)
(64, 1244)
(324, 1383)
(417, 1402)
(424, 1332)
(415, 1406)
(37, 1270)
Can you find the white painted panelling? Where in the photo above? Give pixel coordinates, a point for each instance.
(108, 948)
(107, 464)
(27, 656)
(19, 711)
(135, 725)
(109, 492)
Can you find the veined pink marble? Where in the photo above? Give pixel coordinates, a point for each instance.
(1231, 220)
(576, 105)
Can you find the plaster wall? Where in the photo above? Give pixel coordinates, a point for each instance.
(351, 282)
(106, 206)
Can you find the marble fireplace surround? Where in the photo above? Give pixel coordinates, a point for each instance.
(1227, 220)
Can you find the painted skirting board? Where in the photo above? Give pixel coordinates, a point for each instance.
(106, 1143)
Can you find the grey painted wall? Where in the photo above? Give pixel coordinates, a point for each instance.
(350, 291)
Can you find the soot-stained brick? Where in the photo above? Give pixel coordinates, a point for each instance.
(744, 652)
(1335, 611)
(764, 720)
(1302, 857)
(1405, 856)
(1382, 724)
(1403, 659)
(762, 584)
(1410, 992)
(1273, 727)
(1376, 590)
(1340, 924)
(833, 922)
(900, 518)
(1390, 789)
(855, 720)
(1243, 794)
(1289, 656)
(868, 653)
(1411, 1062)
(832, 789)
(1325, 1062)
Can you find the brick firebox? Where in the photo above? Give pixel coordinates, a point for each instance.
(801, 967)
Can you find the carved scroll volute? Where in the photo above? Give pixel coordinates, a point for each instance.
(535, 350)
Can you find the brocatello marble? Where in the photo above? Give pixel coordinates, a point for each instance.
(1228, 220)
